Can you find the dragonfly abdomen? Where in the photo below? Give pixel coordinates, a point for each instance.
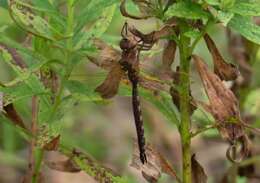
(138, 122)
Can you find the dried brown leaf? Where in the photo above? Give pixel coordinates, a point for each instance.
(50, 80)
(109, 87)
(64, 166)
(198, 173)
(156, 164)
(226, 71)
(223, 104)
(169, 55)
(53, 144)
(18, 60)
(11, 113)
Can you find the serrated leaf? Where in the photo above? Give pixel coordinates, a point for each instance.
(246, 28)
(187, 10)
(98, 28)
(246, 7)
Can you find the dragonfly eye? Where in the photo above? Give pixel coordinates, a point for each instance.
(125, 44)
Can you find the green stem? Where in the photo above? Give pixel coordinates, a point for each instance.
(184, 127)
(68, 66)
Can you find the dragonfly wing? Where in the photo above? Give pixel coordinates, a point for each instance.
(109, 87)
(108, 56)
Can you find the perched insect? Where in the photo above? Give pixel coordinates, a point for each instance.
(128, 64)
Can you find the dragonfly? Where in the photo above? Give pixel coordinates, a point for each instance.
(128, 65)
(125, 66)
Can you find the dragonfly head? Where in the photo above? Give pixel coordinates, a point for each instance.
(126, 44)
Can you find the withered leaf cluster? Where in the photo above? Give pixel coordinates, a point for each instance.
(223, 105)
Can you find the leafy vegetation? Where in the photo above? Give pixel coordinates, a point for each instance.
(49, 50)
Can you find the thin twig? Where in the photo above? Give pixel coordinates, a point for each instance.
(201, 130)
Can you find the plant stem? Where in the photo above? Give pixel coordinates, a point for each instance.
(184, 127)
(68, 66)
(32, 158)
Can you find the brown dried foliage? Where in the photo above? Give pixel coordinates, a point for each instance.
(11, 113)
(18, 60)
(53, 144)
(223, 104)
(225, 71)
(198, 173)
(225, 109)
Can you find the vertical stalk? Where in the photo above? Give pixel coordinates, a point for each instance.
(184, 127)
(33, 171)
(68, 66)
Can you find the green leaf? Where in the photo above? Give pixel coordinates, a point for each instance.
(192, 34)
(227, 4)
(82, 92)
(252, 104)
(246, 28)
(19, 92)
(98, 28)
(92, 11)
(56, 19)
(25, 76)
(213, 2)
(12, 58)
(246, 7)
(187, 10)
(224, 17)
(162, 102)
(23, 15)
